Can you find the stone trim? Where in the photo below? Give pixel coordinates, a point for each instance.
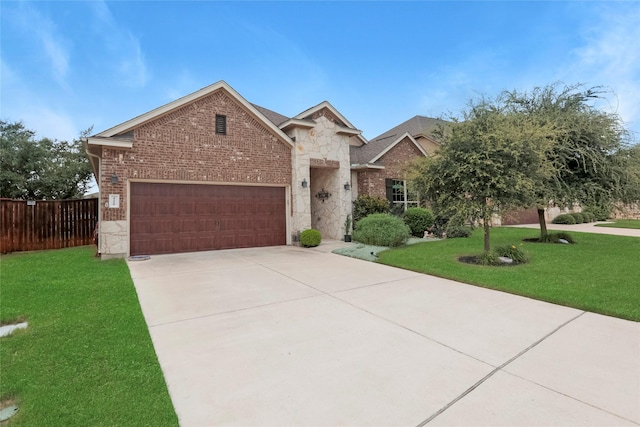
(324, 163)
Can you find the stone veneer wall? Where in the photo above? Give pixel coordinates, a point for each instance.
(182, 146)
(318, 148)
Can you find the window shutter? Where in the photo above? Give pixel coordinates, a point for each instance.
(388, 183)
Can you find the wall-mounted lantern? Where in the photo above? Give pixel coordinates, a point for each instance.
(305, 184)
(114, 178)
(323, 195)
(347, 186)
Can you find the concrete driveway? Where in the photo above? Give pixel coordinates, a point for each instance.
(286, 336)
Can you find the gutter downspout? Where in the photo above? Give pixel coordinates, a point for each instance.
(86, 150)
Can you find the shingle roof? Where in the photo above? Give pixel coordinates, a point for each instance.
(418, 125)
(276, 118)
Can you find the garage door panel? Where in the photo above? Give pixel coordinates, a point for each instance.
(168, 218)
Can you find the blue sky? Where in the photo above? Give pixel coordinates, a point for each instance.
(66, 66)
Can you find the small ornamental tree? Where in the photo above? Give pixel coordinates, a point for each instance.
(489, 161)
(589, 160)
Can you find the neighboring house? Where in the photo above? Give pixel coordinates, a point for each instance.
(213, 171)
(379, 166)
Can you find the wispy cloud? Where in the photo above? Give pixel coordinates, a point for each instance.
(610, 57)
(122, 46)
(181, 85)
(22, 103)
(42, 33)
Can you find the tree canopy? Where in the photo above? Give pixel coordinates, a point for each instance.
(490, 161)
(551, 145)
(589, 157)
(41, 168)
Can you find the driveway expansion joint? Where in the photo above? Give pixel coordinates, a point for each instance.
(499, 369)
(233, 311)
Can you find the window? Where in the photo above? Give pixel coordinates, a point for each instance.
(221, 124)
(399, 195)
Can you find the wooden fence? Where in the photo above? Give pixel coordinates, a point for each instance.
(29, 225)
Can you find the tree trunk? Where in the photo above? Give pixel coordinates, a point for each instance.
(543, 224)
(487, 229)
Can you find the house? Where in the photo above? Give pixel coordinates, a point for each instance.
(214, 171)
(379, 166)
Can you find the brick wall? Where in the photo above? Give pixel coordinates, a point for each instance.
(183, 146)
(395, 161)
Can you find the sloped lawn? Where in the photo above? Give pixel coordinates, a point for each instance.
(86, 358)
(600, 273)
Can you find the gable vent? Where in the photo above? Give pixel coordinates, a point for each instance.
(221, 124)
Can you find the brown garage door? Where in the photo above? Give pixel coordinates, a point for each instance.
(170, 218)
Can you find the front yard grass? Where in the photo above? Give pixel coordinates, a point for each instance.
(623, 223)
(599, 273)
(86, 357)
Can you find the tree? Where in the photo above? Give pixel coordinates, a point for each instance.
(587, 158)
(41, 169)
(490, 161)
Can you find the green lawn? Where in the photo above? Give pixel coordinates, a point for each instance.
(600, 273)
(86, 358)
(623, 223)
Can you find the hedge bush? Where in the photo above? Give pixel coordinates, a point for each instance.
(588, 217)
(366, 205)
(601, 213)
(564, 219)
(418, 220)
(454, 231)
(381, 229)
(310, 238)
(578, 217)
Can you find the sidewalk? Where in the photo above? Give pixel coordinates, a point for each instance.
(585, 228)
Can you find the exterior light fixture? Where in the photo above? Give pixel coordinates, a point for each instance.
(114, 178)
(304, 183)
(323, 195)
(347, 186)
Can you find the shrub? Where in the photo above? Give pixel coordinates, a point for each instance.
(454, 231)
(310, 238)
(488, 258)
(564, 219)
(600, 212)
(578, 217)
(588, 216)
(381, 230)
(418, 220)
(513, 252)
(555, 238)
(366, 205)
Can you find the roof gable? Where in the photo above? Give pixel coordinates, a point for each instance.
(396, 142)
(308, 117)
(258, 112)
(415, 126)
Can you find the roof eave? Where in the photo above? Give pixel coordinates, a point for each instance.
(363, 166)
(294, 123)
(112, 142)
(347, 131)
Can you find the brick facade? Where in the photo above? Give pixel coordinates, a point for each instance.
(395, 161)
(182, 146)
